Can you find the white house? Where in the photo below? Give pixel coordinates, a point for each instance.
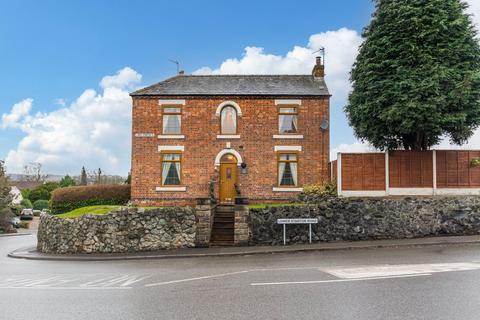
(16, 195)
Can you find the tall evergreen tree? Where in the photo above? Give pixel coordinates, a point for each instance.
(417, 76)
(83, 177)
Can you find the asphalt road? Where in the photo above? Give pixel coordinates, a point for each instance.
(409, 283)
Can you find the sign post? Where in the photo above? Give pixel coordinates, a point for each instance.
(308, 221)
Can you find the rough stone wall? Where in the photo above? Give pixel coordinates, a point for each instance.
(200, 126)
(369, 218)
(127, 230)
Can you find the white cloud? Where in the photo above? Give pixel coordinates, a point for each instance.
(474, 10)
(341, 48)
(124, 79)
(93, 131)
(19, 111)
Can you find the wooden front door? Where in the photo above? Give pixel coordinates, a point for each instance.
(228, 179)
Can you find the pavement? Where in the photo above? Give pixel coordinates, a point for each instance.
(32, 253)
(436, 281)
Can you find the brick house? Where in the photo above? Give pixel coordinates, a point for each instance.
(264, 136)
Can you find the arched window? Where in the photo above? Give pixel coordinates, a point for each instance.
(228, 120)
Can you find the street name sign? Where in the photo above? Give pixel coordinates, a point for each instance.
(297, 221)
(308, 221)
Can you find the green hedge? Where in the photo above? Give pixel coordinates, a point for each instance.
(70, 198)
(40, 205)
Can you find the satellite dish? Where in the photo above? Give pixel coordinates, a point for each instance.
(324, 124)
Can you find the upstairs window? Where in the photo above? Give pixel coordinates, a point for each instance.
(172, 120)
(287, 120)
(287, 170)
(228, 120)
(171, 169)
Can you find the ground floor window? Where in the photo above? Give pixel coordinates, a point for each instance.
(171, 169)
(287, 169)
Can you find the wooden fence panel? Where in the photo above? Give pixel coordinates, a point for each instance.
(455, 171)
(363, 171)
(411, 169)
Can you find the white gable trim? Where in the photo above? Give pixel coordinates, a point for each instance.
(228, 103)
(288, 148)
(288, 101)
(226, 151)
(176, 101)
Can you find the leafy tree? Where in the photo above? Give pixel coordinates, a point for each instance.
(83, 177)
(67, 181)
(43, 191)
(129, 178)
(5, 200)
(25, 193)
(26, 203)
(5, 196)
(417, 76)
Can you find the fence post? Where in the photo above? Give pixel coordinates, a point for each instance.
(387, 174)
(434, 166)
(339, 174)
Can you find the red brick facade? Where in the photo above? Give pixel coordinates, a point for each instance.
(257, 126)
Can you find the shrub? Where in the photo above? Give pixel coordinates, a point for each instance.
(18, 209)
(40, 205)
(475, 162)
(43, 191)
(315, 192)
(26, 203)
(67, 199)
(24, 224)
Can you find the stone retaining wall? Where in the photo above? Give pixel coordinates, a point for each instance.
(369, 218)
(127, 230)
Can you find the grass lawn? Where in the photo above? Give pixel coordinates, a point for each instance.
(261, 206)
(87, 210)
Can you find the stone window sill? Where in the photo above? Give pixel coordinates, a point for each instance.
(181, 189)
(171, 136)
(288, 136)
(228, 136)
(287, 189)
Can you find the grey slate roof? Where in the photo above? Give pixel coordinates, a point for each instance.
(241, 85)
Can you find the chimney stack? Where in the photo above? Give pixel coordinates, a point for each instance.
(319, 69)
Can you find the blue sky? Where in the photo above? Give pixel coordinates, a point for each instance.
(53, 53)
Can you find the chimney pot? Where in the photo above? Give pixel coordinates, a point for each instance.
(319, 69)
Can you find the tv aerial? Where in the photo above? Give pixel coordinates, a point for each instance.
(177, 63)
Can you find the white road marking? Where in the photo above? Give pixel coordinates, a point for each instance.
(401, 269)
(334, 280)
(70, 288)
(195, 279)
(72, 281)
(122, 281)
